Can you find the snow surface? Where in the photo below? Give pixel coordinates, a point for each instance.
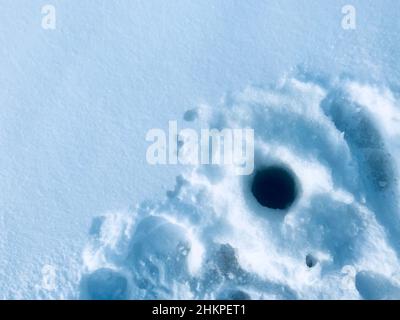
(76, 105)
(210, 238)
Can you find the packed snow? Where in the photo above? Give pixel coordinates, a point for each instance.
(213, 238)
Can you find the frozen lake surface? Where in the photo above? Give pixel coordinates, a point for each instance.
(78, 197)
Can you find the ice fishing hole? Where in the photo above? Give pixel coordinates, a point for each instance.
(274, 187)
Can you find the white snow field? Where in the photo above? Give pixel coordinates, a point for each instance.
(83, 215)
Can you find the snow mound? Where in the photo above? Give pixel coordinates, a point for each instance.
(212, 238)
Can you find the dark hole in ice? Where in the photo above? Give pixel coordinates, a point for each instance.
(311, 261)
(274, 187)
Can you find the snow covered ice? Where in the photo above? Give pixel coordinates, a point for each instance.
(84, 215)
(212, 237)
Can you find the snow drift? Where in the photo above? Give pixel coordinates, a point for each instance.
(212, 239)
